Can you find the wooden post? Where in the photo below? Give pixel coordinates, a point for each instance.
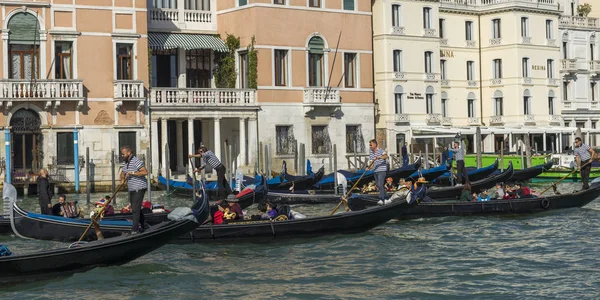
(267, 162)
(426, 156)
(330, 161)
(528, 149)
(167, 168)
(302, 159)
(434, 151)
(297, 161)
(355, 158)
(335, 169)
(502, 156)
(262, 165)
(88, 182)
(479, 144)
(193, 177)
(522, 157)
(112, 171)
(149, 176)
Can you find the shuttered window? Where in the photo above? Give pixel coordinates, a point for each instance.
(23, 29)
(349, 4)
(242, 2)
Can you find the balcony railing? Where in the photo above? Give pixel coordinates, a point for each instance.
(526, 40)
(321, 96)
(576, 21)
(444, 82)
(555, 119)
(447, 121)
(553, 81)
(471, 44)
(496, 120)
(594, 66)
(496, 81)
(173, 97)
(41, 89)
(429, 76)
(398, 30)
(402, 118)
(399, 75)
(529, 119)
(433, 118)
(495, 42)
(527, 80)
(473, 121)
(129, 89)
(570, 105)
(550, 42)
(182, 17)
(430, 32)
(569, 65)
(472, 83)
(480, 5)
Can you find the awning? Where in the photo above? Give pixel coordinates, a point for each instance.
(166, 41)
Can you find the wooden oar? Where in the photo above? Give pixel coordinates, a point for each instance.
(553, 186)
(344, 198)
(99, 216)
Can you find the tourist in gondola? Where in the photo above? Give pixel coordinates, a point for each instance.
(134, 173)
(45, 193)
(378, 159)
(459, 156)
(499, 192)
(389, 185)
(465, 195)
(208, 157)
(583, 157)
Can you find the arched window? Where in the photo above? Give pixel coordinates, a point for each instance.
(471, 105)
(551, 102)
(398, 99)
(316, 63)
(498, 103)
(24, 42)
(429, 99)
(444, 104)
(428, 62)
(526, 102)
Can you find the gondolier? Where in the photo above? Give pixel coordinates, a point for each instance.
(134, 172)
(583, 157)
(378, 158)
(459, 156)
(209, 158)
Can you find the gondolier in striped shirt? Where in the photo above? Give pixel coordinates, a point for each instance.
(209, 158)
(583, 157)
(459, 156)
(378, 158)
(134, 172)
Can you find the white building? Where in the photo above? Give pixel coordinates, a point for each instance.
(443, 67)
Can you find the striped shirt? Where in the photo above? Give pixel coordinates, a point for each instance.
(583, 152)
(459, 153)
(210, 159)
(135, 183)
(379, 165)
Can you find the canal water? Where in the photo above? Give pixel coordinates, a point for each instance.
(551, 255)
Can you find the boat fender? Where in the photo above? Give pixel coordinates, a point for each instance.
(545, 203)
(4, 251)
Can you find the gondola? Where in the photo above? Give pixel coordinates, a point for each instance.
(302, 197)
(86, 256)
(430, 174)
(185, 188)
(441, 208)
(452, 192)
(474, 174)
(529, 173)
(346, 222)
(298, 182)
(5, 225)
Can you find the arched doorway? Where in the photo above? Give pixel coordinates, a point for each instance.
(26, 141)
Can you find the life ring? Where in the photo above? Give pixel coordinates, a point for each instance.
(545, 203)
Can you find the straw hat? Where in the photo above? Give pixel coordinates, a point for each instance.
(422, 180)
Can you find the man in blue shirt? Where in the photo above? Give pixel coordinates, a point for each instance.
(378, 159)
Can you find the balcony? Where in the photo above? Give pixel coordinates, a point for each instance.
(429, 76)
(568, 65)
(401, 118)
(129, 90)
(473, 121)
(471, 44)
(496, 120)
(495, 42)
(182, 17)
(175, 98)
(443, 42)
(398, 30)
(525, 40)
(399, 75)
(430, 32)
(444, 82)
(594, 66)
(433, 118)
(494, 5)
(580, 105)
(446, 121)
(551, 42)
(48, 90)
(555, 120)
(322, 97)
(528, 120)
(496, 81)
(579, 22)
(553, 82)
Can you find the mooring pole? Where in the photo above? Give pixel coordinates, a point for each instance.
(112, 172)
(335, 169)
(88, 182)
(167, 169)
(76, 158)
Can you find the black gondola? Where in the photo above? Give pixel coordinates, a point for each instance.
(302, 197)
(476, 187)
(529, 173)
(82, 257)
(298, 182)
(474, 175)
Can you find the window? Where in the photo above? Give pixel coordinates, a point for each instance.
(165, 72)
(242, 2)
(285, 143)
(63, 60)
(320, 140)
(398, 99)
(282, 2)
(428, 66)
(565, 91)
(550, 68)
(281, 67)
(470, 70)
(429, 99)
(350, 70)
(497, 69)
(64, 148)
(314, 3)
(397, 60)
(498, 106)
(591, 51)
(550, 105)
(427, 17)
(549, 29)
(128, 138)
(524, 27)
(124, 62)
(443, 69)
(469, 30)
(315, 61)
(444, 106)
(471, 108)
(564, 50)
(496, 29)
(354, 139)
(349, 4)
(23, 43)
(442, 28)
(593, 92)
(525, 66)
(526, 105)
(244, 70)
(198, 68)
(396, 15)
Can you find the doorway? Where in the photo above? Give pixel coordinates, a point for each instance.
(26, 140)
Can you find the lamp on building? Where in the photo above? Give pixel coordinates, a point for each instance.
(81, 161)
(376, 107)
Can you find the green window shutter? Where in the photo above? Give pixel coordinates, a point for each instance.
(349, 4)
(316, 45)
(242, 2)
(23, 29)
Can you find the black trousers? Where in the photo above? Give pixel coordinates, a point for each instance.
(585, 174)
(44, 210)
(224, 188)
(136, 198)
(461, 172)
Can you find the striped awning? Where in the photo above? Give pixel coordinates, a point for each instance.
(166, 41)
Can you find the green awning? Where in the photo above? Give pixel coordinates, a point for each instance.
(166, 41)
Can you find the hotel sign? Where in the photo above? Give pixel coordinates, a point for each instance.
(538, 68)
(447, 53)
(415, 96)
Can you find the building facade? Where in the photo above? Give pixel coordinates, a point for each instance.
(444, 67)
(68, 80)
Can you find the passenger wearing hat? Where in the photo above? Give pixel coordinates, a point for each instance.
(146, 207)
(389, 185)
(419, 190)
(108, 210)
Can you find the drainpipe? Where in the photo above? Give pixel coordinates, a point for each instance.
(373, 76)
(480, 72)
(8, 169)
(76, 158)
